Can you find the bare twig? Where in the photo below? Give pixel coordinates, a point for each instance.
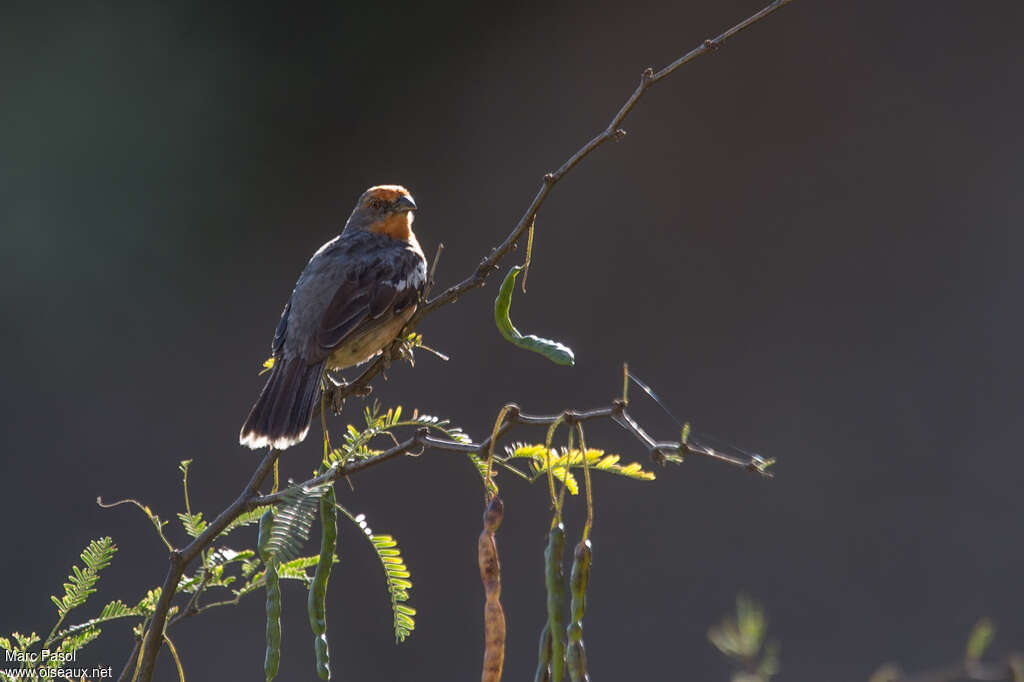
(179, 559)
(421, 439)
(128, 667)
(433, 269)
(612, 131)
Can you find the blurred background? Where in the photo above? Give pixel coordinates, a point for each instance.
(807, 243)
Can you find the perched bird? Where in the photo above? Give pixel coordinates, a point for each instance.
(354, 296)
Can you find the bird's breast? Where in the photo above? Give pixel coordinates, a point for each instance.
(365, 344)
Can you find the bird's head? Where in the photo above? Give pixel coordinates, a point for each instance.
(384, 209)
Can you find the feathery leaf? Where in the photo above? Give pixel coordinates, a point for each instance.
(96, 556)
(563, 461)
(395, 572)
(294, 518)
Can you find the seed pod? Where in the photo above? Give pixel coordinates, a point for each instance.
(273, 658)
(552, 350)
(576, 657)
(543, 673)
(317, 602)
(490, 575)
(554, 579)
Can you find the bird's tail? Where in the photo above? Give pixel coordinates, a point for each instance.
(280, 418)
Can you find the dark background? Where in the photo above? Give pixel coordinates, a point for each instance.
(807, 243)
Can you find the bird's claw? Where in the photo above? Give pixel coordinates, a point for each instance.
(336, 400)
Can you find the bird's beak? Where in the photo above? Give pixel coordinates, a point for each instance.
(404, 204)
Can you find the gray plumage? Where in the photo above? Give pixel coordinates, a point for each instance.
(355, 294)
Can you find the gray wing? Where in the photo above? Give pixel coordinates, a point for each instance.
(281, 331)
(372, 291)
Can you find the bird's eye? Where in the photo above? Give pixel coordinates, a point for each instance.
(377, 204)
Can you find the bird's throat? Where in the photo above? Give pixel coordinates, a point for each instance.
(397, 226)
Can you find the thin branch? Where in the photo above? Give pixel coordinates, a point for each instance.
(179, 559)
(433, 269)
(250, 499)
(612, 131)
(616, 413)
(128, 667)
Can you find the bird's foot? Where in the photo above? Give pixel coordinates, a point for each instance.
(336, 400)
(335, 392)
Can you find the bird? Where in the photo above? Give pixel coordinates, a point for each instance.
(352, 299)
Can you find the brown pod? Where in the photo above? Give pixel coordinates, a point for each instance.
(490, 575)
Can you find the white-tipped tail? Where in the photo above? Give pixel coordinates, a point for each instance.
(280, 418)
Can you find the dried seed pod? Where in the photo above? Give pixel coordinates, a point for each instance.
(490, 575)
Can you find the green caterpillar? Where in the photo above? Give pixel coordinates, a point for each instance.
(273, 657)
(318, 588)
(552, 350)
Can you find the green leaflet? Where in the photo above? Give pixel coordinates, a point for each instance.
(292, 521)
(981, 636)
(82, 582)
(552, 350)
(562, 461)
(356, 442)
(397, 574)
